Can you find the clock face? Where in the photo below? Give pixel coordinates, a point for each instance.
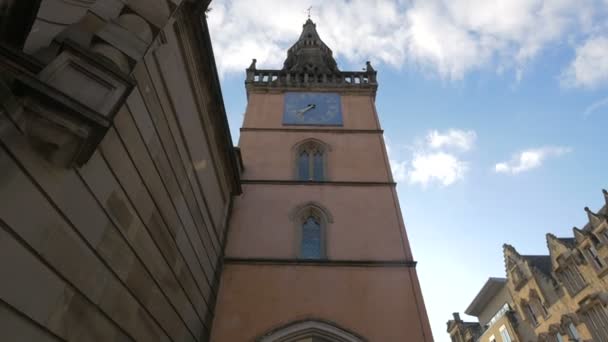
(312, 109)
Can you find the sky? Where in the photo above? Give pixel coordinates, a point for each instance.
(494, 114)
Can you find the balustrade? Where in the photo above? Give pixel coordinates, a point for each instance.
(283, 78)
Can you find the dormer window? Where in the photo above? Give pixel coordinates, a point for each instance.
(531, 314)
(594, 258)
(596, 318)
(604, 235)
(572, 279)
(534, 309)
(517, 276)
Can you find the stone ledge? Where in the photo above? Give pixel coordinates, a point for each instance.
(52, 110)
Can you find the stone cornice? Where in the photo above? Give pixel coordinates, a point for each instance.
(309, 183)
(279, 89)
(321, 263)
(18, 61)
(201, 51)
(49, 109)
(310, 129)
(27, 85)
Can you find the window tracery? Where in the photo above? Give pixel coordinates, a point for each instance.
(311, 222)
(311, 161)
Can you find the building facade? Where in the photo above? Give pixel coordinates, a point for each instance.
(317, 249)
(497, 320)
(117, 172)
(562, 296)
(119, 183)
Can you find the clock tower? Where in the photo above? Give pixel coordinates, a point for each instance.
(316, 249)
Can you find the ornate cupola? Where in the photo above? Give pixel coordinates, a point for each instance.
(310, 64)
(309, 54)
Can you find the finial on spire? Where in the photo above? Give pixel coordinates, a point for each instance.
(594, 220)
(368, 67)
(308, 10)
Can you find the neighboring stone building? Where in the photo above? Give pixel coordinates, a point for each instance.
(497, 321)
(118, 178)
(117, 172)
(461, 331)
(562, 296)
(317, 249)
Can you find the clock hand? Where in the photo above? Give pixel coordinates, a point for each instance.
(305, 109)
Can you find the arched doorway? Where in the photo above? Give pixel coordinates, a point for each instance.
(310, 331)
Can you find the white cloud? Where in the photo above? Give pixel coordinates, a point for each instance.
(399, 169)
(595, 105)
(447, 37)
(530, 159)
(589, 68)
(460, 139)
(436, 166)
(429, 163)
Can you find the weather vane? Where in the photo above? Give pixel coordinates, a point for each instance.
(308, 10)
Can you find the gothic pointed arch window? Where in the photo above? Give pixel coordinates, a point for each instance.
(311, 161)
(311, 222)
(311, 331)
(311, 243)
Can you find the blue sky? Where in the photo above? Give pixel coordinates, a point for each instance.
(495, 114)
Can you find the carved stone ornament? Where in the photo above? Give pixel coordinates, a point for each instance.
(88, 79)
(310, 64)
(67, 109)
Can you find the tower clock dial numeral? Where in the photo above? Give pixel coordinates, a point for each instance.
(307, 108)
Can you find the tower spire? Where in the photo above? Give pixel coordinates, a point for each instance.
(310, 54)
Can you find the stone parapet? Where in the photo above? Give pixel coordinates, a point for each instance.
(267, 78)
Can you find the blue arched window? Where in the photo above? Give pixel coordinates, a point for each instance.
(304, 165)
(317, 166)
(312, 240)
(311, 160)
(311, 221)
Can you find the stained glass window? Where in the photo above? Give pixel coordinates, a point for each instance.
(311, 239)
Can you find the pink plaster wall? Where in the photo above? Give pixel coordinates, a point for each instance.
(266, 110)
(366, 225)
(381, 304)
(352, 156)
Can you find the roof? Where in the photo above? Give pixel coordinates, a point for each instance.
(310, 54)
(485, 295)
(570, 242)
(540, 262)
(602, 212)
